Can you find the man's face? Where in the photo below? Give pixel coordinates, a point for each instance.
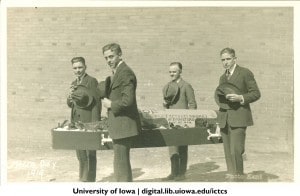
(227, 60)
(79, 69)
(112, 58)
(174, 72)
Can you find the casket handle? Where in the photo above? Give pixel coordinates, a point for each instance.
(217, 134)
(104, 139)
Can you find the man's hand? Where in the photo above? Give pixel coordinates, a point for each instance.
(234, 98)
(106, 103)
(165, 104)
(71, 90)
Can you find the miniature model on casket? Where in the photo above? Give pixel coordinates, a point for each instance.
(159, 128)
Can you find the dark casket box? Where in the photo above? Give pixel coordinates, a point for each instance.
(76, 140)
(162, 128)
(174, 137)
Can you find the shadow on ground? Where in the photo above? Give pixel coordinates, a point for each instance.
(136, 172)
(203, 172)
(193, 174)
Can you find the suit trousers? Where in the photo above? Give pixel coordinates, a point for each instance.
(87, 165)
(182, 153)
(234, 147)
(122, 166)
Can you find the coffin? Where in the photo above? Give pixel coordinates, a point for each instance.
(184, 131)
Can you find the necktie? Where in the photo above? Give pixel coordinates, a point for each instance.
(112, 75)
(78, 80)
(227, 73)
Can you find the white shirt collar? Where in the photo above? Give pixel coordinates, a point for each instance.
(115, 69)
(231, 70)
(79, 79)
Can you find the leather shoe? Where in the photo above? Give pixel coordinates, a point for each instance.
(235, 177)
(168, 178)
(180, 177)
(239, 178)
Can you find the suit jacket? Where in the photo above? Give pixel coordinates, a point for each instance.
(241, 116)
(123, 116)
(91, 113)
(186, 99)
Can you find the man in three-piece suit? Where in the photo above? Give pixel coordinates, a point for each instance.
(123, 117)
(182, 98)
(86, 107)
(235, 116)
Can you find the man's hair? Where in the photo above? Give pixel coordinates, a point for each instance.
(229, 51)
(113, 47)
(78, 59)
(177, 63)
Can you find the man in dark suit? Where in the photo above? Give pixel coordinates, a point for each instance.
(184, 98)
(234, 119)
(86, 107)
(123, 117)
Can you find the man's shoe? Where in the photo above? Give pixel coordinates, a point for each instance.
(239, 178)
(235, 177)
(180, 177)
(229, 177)
(168, 178)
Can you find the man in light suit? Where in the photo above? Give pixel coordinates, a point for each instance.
(183, 99)
(123, 117)
(235, 119)
(85, 111)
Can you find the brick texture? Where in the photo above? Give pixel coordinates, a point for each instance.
(42, 41)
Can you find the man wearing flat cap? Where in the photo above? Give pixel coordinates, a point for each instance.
(178, 94)
(85, 103)
(237, 89)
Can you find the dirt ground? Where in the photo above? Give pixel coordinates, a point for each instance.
(33, 161)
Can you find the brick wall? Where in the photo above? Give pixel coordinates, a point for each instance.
(41, 42)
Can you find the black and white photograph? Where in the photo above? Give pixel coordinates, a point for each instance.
(149, 93)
